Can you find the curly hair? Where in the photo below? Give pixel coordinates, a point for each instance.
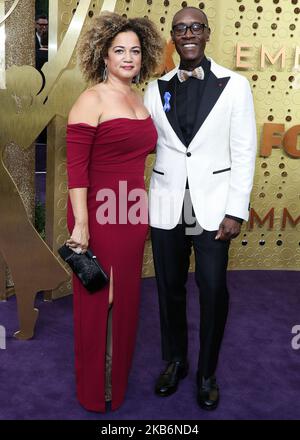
(94, 44)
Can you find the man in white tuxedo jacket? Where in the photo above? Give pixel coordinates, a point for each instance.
(204, 169)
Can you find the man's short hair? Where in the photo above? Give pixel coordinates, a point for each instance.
(43, 16)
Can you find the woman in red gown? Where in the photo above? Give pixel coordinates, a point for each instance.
(109, 136)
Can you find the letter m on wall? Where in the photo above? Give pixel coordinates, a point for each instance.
(287, 217)
(254, 217)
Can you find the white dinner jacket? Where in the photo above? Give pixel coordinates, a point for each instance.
(219, 162)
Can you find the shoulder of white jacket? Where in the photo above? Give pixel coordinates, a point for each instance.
(151, 85)
(221, 71)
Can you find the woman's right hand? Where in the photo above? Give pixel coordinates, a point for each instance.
(79, 240)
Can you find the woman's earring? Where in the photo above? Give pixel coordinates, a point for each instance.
(137, 78)
(105, 74)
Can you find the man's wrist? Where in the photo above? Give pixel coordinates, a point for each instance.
(237, 219)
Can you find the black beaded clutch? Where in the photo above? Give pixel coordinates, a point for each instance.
(86, 267)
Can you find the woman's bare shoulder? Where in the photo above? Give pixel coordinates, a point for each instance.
(87, 108)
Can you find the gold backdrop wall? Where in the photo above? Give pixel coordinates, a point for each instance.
(247, 35)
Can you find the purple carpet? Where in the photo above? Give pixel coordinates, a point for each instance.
(258, 374)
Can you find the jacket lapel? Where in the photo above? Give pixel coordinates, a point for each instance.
(170, 86)
(213, 90)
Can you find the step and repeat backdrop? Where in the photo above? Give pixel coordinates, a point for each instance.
(257, 38)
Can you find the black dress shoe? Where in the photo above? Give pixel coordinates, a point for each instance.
(167, 382)
(208, 394)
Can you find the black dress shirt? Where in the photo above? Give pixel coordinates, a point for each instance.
(188, 99)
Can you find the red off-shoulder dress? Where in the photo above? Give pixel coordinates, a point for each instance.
(109, 160)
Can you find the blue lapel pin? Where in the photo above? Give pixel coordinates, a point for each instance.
(167, 105)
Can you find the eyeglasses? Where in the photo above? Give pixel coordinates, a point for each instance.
(196, 29)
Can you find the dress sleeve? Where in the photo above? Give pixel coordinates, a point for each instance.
(80, 139)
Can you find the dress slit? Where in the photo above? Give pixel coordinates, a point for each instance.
(108, 356)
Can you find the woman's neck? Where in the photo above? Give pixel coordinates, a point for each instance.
(123, 86)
